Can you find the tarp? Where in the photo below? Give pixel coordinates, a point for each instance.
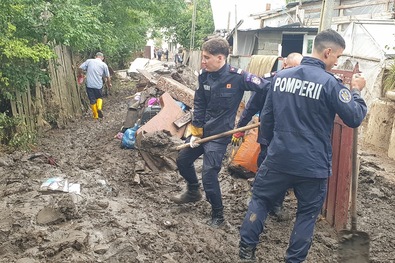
(370, 40)
(261, 64)
(371, 44)
(245, 42)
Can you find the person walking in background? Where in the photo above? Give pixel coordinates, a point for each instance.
(178, 58)
(255, 105)
(296, 122)
(159, 54)
(166, 54)
(96, 70)
(217, 98)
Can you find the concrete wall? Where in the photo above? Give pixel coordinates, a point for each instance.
(380, 129)
(268, 43)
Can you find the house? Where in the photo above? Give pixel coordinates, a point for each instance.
(368, 28)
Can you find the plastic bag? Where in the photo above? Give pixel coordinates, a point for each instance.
(129, 137)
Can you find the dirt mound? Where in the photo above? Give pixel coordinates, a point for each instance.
(115, 218)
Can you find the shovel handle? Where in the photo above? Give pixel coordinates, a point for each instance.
(220, 135)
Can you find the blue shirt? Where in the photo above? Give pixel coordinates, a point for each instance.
(96, 70)
(218, 97)
(298, 116)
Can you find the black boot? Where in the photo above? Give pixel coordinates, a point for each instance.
(217, 218)
(191, 195)
(247, 253)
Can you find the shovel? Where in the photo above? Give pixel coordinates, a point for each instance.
(220, 135)
(353, 244)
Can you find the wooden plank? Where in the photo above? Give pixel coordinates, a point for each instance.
(30, 106)
(344, 178)
(332, 183)
(148, 76)
(19, 106)
(39, 106)
(183, 120)
(25, 106)
(177, 90)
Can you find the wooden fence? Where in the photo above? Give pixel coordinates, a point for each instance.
(55, 103)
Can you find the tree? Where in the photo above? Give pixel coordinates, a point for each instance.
(204, 24)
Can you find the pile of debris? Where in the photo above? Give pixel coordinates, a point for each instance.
(161, 109)
(160, 112)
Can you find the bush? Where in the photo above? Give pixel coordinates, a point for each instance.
(14, 133)
(389, 78)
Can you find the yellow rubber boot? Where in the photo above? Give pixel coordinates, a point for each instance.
(94, 111)
(99, 103)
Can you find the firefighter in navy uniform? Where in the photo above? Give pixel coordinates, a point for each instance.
(255, 105)
(221, 88)
(297, 122)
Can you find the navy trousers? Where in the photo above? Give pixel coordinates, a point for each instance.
(213, 153)
(270, 186)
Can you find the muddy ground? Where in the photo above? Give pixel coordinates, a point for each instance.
(123, 212)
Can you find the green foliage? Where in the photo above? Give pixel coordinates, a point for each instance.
(389, 78)
(14, 134)
(204, 24)
(119, 28)
(21, 54)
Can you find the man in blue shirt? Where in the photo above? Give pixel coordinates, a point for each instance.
(296, 123)
(96, 70)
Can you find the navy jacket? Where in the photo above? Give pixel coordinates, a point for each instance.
(298, 118)
(254, 106)
(218, 97)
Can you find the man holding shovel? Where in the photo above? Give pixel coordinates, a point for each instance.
(297, 121)
(221, 88)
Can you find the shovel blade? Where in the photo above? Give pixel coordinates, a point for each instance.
(353, 247)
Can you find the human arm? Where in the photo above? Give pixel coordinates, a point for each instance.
(253, 106)
(107, 76)
(108, 81)
(267, 119)
(349, 104)
(198, 116)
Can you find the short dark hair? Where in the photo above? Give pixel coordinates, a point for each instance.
(216, 46)
(328, 38)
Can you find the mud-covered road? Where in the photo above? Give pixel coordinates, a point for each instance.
(123, 212)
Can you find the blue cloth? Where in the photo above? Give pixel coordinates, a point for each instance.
(298, 117)
(129, 137)
(269, 186)
(96, 70)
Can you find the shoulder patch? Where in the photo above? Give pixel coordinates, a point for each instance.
(235, 70)
(256, 80)
(337, 77)
(268, 75)
(345, 95)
